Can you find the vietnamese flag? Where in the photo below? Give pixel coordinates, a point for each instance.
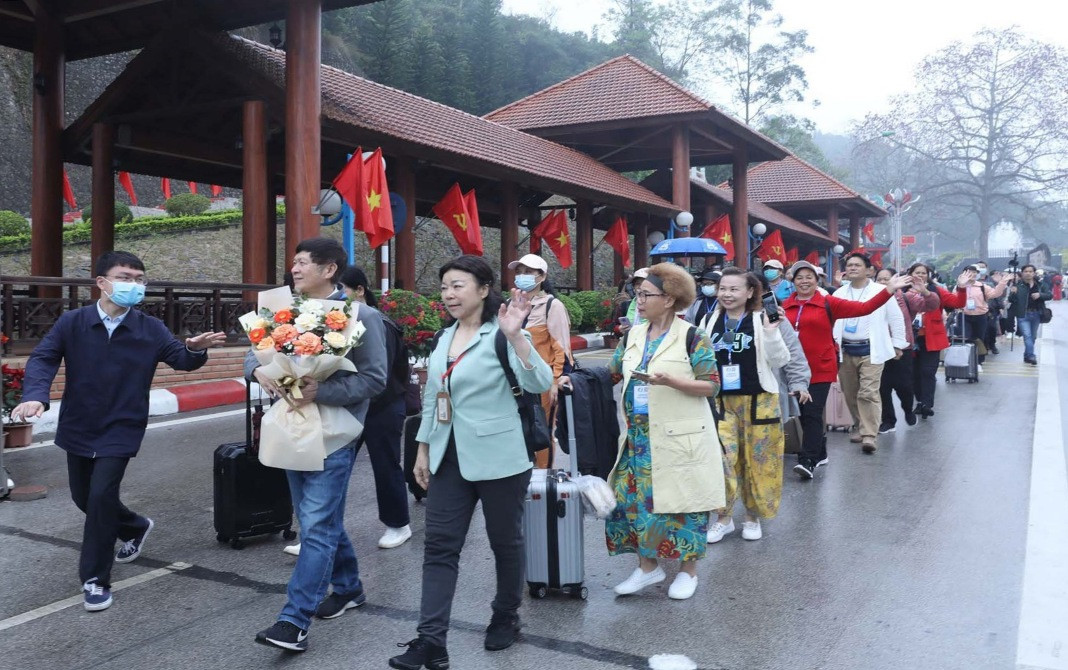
(452, 210)
(772, 248)
(813, 258)
(720, 231)
(68, 192)
(127, 185)
(877, 259)
(349, 183)
(553, 231)
(216, 190)
(474, 228)
(192, 187)
(869, 231)
(378, 225)
(618, 239)
(792, 255)
(165, 184)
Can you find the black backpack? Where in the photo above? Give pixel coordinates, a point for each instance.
(399, 372)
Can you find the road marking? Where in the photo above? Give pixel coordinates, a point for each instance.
(151, 426)
(60, 605)
(1042, 643)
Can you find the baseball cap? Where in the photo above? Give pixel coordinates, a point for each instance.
(641, 273)
(532, 261)
(773, 263)
(802, 265)
(710, 275)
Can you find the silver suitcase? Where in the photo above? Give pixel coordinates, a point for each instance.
(552, 527)
(962, 358)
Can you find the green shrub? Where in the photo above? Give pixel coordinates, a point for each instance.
(143, 227)
(13, 223)
(187, 204)
(596, 307)
(122, 213)
(574, 312)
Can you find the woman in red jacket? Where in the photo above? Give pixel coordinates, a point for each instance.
(813, 315)
(929, 329)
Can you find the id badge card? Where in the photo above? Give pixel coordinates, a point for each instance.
(851, 325)
(444, 407)
(970, 304)
(731, 377)
(641, 398)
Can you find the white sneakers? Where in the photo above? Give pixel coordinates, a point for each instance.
(717, 530)
(639, 579)
(293, 549)
(394, 537)
(683, 587)
(751, 530)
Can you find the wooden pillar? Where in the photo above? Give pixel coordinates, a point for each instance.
(272, 232)
(617, 268)
(404, 249)
(303, 106)
(46, 180)
(832, 230)
(533, 246)
(680, 170)
(584, 244)
(102, 235)
(254, 192)
(854, 231)
(641, 244)
(740, 210)
(509, 231)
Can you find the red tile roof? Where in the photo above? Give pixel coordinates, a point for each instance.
(765, 213)
(793, 180)
(506, 152)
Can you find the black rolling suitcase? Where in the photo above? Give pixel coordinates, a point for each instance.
(250, 498)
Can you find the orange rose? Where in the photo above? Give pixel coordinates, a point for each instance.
(284, 334)
(256, 334)
(283, 316)
(265, 344)
(308, 344)
(336, 320)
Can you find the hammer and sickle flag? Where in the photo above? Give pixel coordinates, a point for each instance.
(452, 210)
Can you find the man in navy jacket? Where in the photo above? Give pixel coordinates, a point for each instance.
(110, 351)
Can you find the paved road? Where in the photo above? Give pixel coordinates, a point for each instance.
(911, 558)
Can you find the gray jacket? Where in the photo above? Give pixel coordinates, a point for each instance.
(352, 390)
(795, 375)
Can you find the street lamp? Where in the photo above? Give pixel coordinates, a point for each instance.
(898, 202)
(681, 223)
(756, 238)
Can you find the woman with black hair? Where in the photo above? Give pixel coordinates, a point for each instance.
(471, 450)
(929, 334)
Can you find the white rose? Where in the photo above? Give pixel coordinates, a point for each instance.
(312, 307)
(261, 323)
(306, 322)
(335, 340)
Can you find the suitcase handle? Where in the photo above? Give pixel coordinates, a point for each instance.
(568, 392)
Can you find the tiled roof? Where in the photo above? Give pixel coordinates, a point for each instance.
(794, 180)
(358, 102)
(622, 88)
(765, 213)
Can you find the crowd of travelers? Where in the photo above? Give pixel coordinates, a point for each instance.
(711, 366)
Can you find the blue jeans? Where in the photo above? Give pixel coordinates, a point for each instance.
(1028, 327)
(327, 557)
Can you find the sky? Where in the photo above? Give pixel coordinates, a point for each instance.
(865, 51)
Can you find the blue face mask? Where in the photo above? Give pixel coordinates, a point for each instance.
(708, 291)
(771, 275)
(525, 282)
(126, 293)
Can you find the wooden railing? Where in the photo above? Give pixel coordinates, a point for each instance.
(32, 304)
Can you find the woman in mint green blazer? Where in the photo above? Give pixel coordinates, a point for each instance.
(471, 449)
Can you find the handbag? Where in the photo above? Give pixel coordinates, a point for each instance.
(1047, 315)
(531, 414)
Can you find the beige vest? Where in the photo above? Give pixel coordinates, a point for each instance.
(686, 453)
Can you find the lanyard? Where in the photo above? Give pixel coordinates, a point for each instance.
(447, 377)
(734, 334)
(797, 322)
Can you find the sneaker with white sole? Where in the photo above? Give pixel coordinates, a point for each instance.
(131, 549)
(292, 550)
(336, 604)
(96, 597)
(822, 462)
(683, 587)
(751, 530)
(639, 579)
(717, 530)
(284, 635)
(804, 470)
(394, 537)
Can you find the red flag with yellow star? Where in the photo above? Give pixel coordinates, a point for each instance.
(379, 222)
(618, 238)
(869, 231)
(68, 192)
(452, 210)
(127, 185)
(350, 184)
(720, 231)
(474, 229)
(553, 231)
(772, 248)
(813, 257)
(165, 186)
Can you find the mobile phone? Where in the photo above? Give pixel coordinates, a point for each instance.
(640, 374)
(624, 321)
(771, 307)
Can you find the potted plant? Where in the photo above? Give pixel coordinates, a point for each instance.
(17, 434)
(420, 318)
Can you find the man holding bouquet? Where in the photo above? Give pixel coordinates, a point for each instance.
(326, 554)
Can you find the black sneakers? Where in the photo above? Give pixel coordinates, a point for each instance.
(501, 632)
(336, 604)
(910, 417)
(284, 635)
(421, 653)
(885, 427)
(804, 470)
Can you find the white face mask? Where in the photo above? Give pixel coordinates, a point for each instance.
(708, 291)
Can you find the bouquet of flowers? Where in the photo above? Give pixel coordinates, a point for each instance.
(294, 338)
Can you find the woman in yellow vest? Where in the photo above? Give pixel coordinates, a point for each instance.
(669, 471)
(550, 331)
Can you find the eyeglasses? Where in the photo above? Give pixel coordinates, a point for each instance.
(642, 296)
(142, 279)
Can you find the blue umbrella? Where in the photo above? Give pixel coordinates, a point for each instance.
(688, 246)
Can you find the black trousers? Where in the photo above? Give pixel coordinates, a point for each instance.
(977, 328)
(897, 377)
(814, 438)
(992, 328)
(450, 503)
(94, 487)
(924, 369)
(382, 434)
